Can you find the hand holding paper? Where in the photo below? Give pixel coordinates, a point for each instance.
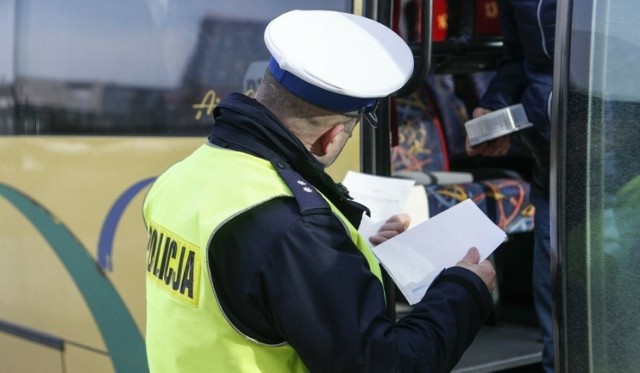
(393, 226)
(415, 257)
(484, 269)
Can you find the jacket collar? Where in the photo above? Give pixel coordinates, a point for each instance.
(243, 124)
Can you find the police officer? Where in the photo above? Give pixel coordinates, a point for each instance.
(254, 260)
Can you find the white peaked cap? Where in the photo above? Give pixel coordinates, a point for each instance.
(337, 60)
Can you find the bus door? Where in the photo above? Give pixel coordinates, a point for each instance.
(596, 232)
(421, 135)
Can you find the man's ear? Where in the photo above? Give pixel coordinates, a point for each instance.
(321, 146)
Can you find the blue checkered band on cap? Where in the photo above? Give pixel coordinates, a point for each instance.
(320, 97)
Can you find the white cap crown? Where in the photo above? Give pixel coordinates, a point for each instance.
(350, 56)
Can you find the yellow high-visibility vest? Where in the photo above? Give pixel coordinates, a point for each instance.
(186, 329)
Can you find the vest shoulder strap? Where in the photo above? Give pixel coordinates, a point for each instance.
(307, 197)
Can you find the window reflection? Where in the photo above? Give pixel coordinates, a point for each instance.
(7, 11)
(616, 102)
(133, 66)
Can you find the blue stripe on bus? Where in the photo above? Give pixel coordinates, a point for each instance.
(32, 335)
(120, 334)
(105, 244)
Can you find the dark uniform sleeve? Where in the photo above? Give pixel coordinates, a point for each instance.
(283, 277)
(508, 84)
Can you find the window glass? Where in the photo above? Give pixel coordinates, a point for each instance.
(613, 185)
(136, 66)
(7, 11)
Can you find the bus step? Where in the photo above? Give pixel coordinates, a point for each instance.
(500, 347)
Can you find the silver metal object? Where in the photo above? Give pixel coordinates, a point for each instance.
(497, 124)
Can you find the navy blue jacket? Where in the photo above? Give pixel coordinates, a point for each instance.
(286, 274)
(525, 74)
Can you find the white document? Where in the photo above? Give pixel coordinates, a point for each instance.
(384, 196)
(414, 258)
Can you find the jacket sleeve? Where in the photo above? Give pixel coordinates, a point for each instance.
(508, 84)
(314, 290)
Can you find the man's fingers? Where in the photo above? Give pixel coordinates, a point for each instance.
(484, 269)
(382, 236)
(502, 145)
(493, 148)
(392, 227)
(472, 257)
(397, 223)
(479, 112)
(398, 220)
(474, 150)
(488, 274)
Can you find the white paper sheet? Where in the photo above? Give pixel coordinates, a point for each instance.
(384, 196)
(415, 257)
(369, 228)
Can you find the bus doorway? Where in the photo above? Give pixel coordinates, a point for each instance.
(457, 45)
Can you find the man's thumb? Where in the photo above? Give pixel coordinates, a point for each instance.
(472, 257)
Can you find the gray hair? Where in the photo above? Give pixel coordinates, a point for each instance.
(293, 111)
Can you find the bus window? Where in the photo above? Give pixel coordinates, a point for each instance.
(7, 10)
(598, 188)
(136, 67)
